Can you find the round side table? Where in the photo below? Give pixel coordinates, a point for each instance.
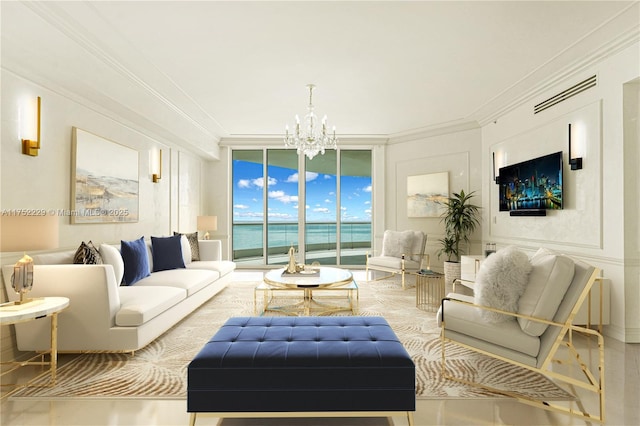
(31, 311)
(429, 291)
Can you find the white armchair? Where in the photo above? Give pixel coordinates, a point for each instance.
(402, 252)
(531, 337)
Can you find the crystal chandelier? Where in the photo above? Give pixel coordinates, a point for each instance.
(307, 141)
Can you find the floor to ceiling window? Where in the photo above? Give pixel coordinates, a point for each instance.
(321, 206)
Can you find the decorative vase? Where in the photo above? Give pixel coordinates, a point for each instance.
(451, 273)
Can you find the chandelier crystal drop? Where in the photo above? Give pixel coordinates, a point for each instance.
(308, 140)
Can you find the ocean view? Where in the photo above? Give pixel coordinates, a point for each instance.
(247, 237)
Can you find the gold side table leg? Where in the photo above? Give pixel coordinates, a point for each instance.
(54, 348)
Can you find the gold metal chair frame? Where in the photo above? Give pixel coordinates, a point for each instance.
(393, 271)
(593, 382)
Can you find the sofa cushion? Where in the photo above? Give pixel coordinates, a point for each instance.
(87, 254)
(138, 305)
(193, 243)
(111, 256)
(501, 280)
(167, 253)
(549, 280)
(222, 266)
(191, 280)
(136, 260)
(396, 243)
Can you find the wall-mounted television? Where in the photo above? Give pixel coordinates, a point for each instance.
(532, 185)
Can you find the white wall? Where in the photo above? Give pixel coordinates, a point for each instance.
(595, 221)
(457, 153)
(44, 181)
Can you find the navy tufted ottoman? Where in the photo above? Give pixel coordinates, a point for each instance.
(310, 366)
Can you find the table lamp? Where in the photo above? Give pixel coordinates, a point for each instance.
(207, 223)
(21, 233)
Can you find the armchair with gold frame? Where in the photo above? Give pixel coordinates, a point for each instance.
(462, 324)
(402, 252)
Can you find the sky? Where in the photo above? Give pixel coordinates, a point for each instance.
(283, 200)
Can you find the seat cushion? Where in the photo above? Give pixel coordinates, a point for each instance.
(388, 262)
(190, 280)
(221, 266)
(138, 305)
(467, 320)
(550, 277)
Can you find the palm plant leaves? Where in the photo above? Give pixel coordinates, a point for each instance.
(460, 221)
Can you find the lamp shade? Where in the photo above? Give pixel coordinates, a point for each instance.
(22, 233)
(208, 223)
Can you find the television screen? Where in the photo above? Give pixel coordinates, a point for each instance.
(532, 184)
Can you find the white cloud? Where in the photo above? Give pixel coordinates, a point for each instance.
(321, 210)
(282, 197)
(327, 201)
(309, 176)
(367, 188)
(240, 206)
(258, 182)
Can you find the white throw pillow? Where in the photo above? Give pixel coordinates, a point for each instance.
(397, 243)
(111, 255)
(549, 280)
(500, 282)
(186, 249)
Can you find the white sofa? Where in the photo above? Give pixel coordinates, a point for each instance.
(106, 316)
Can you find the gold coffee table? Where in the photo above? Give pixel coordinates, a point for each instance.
(316, 293)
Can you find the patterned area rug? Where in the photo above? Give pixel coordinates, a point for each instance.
(160, 369)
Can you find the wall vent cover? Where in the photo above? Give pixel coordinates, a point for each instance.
(566, 94)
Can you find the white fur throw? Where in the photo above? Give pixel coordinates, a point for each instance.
(396, 243)
(501, 280)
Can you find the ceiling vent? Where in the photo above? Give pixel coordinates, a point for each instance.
(566, 94)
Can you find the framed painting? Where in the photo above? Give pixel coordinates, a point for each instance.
(426, 193)
(104, 186)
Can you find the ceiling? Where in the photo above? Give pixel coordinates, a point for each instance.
(196, 73)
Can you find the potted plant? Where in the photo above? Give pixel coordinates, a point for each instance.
(460, 220)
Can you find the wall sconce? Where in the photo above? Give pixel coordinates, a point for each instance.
(30, 128)
(207, 223)
(575, 163)
(156, 166)
(496, 177)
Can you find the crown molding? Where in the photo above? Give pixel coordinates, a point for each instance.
(435, 130)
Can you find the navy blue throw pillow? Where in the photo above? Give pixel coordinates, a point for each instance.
(136, 260)
(167, 253)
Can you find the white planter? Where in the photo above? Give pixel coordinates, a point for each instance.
(451, 273)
